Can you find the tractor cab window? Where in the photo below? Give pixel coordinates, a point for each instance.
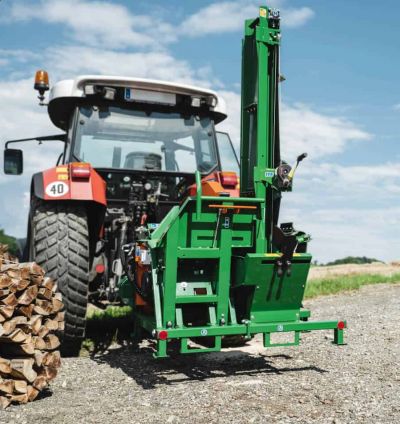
(112, 137)
(227, 153)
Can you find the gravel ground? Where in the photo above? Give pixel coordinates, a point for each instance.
(316, 382)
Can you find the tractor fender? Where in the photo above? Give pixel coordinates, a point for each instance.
(58, 184)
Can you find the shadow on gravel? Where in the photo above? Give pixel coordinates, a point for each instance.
(150, 373)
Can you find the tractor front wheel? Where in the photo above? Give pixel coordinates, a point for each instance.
(59, 242)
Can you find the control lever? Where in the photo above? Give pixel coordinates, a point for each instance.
(293, 170)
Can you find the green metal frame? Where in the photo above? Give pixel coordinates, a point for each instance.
(217, 251)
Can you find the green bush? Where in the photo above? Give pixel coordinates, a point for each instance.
(359, 260)
(10, 241)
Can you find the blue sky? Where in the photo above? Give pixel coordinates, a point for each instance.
(340, 102)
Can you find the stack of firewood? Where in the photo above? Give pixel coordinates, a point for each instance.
(30, 315)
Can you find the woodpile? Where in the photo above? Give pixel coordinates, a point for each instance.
(30, 316)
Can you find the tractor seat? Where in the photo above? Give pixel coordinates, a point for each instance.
(143, 160)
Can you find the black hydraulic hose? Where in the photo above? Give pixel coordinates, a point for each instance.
(277, 146)
(272, 199)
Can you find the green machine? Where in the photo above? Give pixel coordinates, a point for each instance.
(220, 266)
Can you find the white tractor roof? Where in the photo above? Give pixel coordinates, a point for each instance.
(75, 89)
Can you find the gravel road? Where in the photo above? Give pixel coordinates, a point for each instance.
(316, 382)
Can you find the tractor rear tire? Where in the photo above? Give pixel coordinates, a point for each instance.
(59, 242)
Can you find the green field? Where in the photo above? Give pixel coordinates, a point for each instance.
(341, 283)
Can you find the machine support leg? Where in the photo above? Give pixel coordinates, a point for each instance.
(338, 336)
(161, 349)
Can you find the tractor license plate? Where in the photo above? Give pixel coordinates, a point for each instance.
(147, 96)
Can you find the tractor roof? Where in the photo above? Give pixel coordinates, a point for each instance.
(64, 94)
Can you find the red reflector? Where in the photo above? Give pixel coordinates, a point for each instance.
(100, 268)
(229, 179)
(341, 325)
(80, 171)
(163, 335)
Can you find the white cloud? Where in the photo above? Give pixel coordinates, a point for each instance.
(305, 130)
(98, 23)
(293, 18)
(106, 24)
(396, 106)
(302, 129)
(347, 230)
(228, 16)
(22, 118)
(159, 65)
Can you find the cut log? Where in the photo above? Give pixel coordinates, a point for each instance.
(52, 359)
(32, 393)
(5, 366)
(60, 316)
(16, 271)
(36, 323)
(7, 386)
(17, 336)
(7, 311)
(18, 285)
(39, 343)
(48, 283)
(57, 305)
(9, 300)
(52, 325)
(28, 295)
(38, 356)
(23, 368)
(8, 327)
(43, 331)
(52, 342)
(4, 402)
(20, 386)
(49, 372)
(40, 382)
(19, 398)
(26, 310)
(43, 307)
(45, 294)
(5, 281)
(30, 314)
(19, 320)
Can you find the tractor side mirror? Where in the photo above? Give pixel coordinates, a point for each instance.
(13, 162)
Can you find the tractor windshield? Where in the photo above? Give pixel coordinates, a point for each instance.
(112, 137)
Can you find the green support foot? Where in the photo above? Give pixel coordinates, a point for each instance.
(161, 349)
(338, 338)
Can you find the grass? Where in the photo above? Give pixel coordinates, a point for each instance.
(342, 283)
(112, 312)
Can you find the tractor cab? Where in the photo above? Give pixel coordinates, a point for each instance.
(143, 133)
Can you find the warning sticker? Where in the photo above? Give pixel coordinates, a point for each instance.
(263, 12)
(57, 189)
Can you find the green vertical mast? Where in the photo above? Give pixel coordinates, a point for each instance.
(260, 153)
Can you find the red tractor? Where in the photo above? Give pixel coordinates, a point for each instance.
(130, 151)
